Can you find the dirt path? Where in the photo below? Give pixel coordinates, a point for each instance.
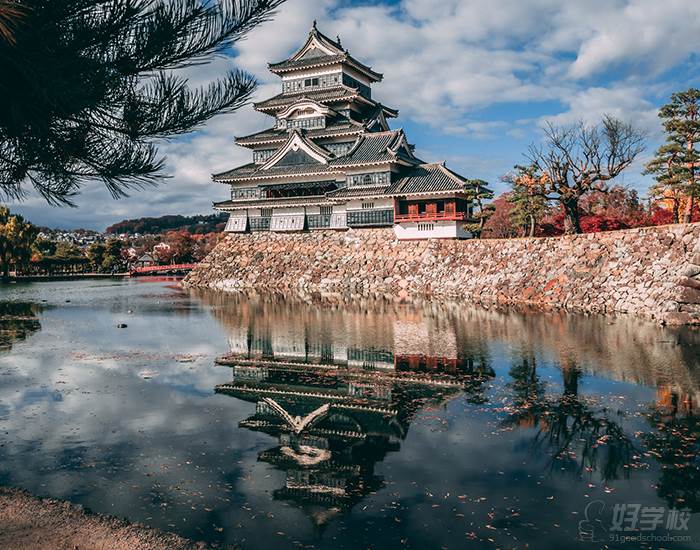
(27, 522)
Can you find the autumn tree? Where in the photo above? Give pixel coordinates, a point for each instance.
(578, 160)
(17, 238)
(676, 166)
(500, 223)
(529, 207)
(88, 87)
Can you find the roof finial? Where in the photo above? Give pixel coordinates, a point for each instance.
(313, 26)
(337, 39)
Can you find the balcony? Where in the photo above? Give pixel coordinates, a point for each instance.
(431, 216)
(260, 223)
(368, 218)
(318, 221)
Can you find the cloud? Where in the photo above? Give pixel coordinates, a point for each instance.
(624, 102)
(648, 34)
(467, 69)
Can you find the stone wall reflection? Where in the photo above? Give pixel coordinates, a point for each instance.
(339, 384)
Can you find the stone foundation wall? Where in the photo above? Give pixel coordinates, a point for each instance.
(652, 272)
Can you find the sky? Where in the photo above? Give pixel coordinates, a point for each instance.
(474, 81)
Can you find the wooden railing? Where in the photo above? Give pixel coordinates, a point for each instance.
(430, 216)
(161, 268)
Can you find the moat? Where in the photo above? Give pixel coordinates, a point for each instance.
(353, 425)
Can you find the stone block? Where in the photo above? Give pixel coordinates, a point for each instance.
(689, 295)
(689, 282)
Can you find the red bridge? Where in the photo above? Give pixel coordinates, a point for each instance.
(172, 269)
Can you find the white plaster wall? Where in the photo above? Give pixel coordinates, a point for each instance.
(441, 230)
(379, 204)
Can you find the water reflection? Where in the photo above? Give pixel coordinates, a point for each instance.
(346, 425)
(17, 321)
(339, 390)
(338, 405)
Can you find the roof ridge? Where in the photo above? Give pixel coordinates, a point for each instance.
(449, 173)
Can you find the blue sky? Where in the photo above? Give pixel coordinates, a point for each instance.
(474, 81)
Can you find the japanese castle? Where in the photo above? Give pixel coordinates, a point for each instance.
(331, 161)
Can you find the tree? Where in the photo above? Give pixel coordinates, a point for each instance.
(578, 160)
(89, 86)
(10, 13)
(17, 239)
(181, 246)
(676, 165)
(96, 254)
(528, 207)
(500, 223)
(112, 259)
(477, 192)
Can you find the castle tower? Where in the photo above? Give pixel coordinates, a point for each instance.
(330, 160)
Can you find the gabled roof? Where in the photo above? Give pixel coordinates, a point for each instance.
(369, 192)
(320, 200)
(320, 50)
(334, 127)
(389, 147)
(428, 178)
(298, 143)
(305, 103)
(376, 147)
(422, 179)
(253, 172)
(335, 94)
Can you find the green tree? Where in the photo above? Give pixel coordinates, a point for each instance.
(112, 259)
(89, 86)
(477, 192)
(528, 207)
(578, 160)
(676, 166)
(17, 238)
(96, 254)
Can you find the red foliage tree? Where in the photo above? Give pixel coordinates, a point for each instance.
(500, 224)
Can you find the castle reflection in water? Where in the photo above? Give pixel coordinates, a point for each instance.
(339, 391)
(338, 386)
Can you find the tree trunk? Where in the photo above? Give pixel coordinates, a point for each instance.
(531, 230)
(676, 211)
(572, 221)
(689, 207)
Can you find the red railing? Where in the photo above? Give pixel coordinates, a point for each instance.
(162, 268)
(430, 216)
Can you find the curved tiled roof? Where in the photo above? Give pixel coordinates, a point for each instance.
(333, 94)
(306, 63)
(377, 147)
(281, 135)
(427, 178)
(323, 95)
(275, 171)
(359, 191)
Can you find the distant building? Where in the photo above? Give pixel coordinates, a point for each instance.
(331, 161)
(145, 260)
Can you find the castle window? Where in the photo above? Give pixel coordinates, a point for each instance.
(326, 210)
(426, 226)
(367, 205)
(367, 179)
(262, 155)
(266, 212)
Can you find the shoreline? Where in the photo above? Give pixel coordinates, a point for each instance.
(73, 277)
(27, 521)
(650, 272)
